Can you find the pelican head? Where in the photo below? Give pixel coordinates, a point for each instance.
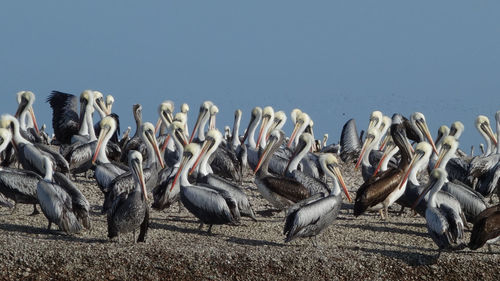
(375, 119)
(255, 117)
(26, 100)
(484, 128)
(213, 111)
(276, 137)
(99, 103)
(331, 166)
(177, 128)
(437, 178)
(110, 100)
(418, 120)
(267, 116)
(185, 108)
(423, 152)
(294, 114)
(448, 149)
(371, 137)
(191, 152)
(204, 111)
(457, 129)
(303, 121)
(278, 122)
(212, 141)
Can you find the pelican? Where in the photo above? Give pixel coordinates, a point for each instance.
(208, 205)
(210, 180)
(309, 217)
(26, 114)
(165, 111)
(130, 210)
(28, 154)
(456, 167)
(65, 120)
(350, 144)
(381, 191)
(278, 122)
(135, 141)
(203, 116)
(105, 171)
(484, 128)
(280, 191)
(18, 185)
(308, 180)
(486, 228)
(471, 202)
(61, 202)
(456, 130)
(303, 120)
(443, 224)
(164, 194)
(124, 182)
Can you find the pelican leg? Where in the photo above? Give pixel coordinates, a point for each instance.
(386, 209)
(201, 226)
(209, 231)
(50, 224)
(489, 247)
(401, 211)
(35, 211)
(14, 209)
(381, 212)
(180, 207)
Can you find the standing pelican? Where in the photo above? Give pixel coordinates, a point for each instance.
(311, 216)
(208, 205)
(486, 228)
(443, 224)
(18, 185)
(379, 192)
(130, 210)
(280, 191)
(61, 202)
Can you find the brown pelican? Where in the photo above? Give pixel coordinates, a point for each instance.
(105, 171)
(444, 225)
(309, 217)
(130, 210)
(301, 123)
(280, 191)
(153, 164)
(486, 228)
(208, 205)
(210, 180)
(471, 202)
(164, 194)
(61, 202)
(201, 121)
(28, 154)
(18, 185)
(379, 192)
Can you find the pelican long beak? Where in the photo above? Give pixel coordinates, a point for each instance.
(367, 142)
(273, 126)
(407, 171)
(165, 143)
(212, 122)
(424, 129)
(137, 166)
(294, 132)
(181, 167)
(489, 132)
(441, 155)
(154, 143)
(265, 120)
(182, 138)
(206, 145)
(265, 153)
(338, 174)
(103, 133)
(102, 106)
(198, 120)
(157, 126)
(386, 139)
(32, 113)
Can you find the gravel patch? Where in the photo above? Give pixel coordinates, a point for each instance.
(361, 248)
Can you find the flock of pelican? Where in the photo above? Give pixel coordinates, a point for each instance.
(203, 171)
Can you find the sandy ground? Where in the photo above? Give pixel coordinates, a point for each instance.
(364, 247)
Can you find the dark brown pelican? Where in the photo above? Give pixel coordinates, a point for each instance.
(309, 217)
(379, 192)
(209, 206)
(130, 210)
(61, 202)
(444, 225)
(486, 228)
(16, 184)
(280, 191)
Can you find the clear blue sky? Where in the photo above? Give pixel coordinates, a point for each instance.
(333, 59)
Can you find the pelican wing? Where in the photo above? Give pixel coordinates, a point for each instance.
(20, 182)
(64, 115)
(287, 188)
(206, 204)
